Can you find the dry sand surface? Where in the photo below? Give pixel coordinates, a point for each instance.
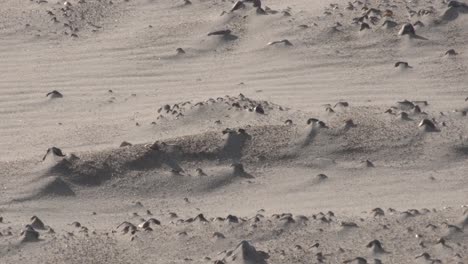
(208, 131)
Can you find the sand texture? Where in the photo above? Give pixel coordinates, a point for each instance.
(248, 132)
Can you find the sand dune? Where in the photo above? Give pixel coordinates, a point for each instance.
(203, 131)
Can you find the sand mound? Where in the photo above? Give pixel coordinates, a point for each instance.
(375, 246)
(55, 187)
(171, 165)
(428, 126)
(454, 9)
(53, 153)
(47, 188)
(217, 109)
(245, 253)
(37, 223)
(29, 235)
(85, 173)
(215, 160)
(389, 24)
(54, 94)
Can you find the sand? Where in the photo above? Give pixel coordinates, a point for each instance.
(204, 131)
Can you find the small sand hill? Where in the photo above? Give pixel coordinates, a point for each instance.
(215, 114)
(210, 161)
(454, 10)
(245, 253)
(29, 235)
(49, 187)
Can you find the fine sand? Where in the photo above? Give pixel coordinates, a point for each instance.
(206, 131)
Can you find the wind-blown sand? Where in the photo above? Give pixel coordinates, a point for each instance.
(204, 131)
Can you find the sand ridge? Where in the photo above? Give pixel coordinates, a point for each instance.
(202, 131)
